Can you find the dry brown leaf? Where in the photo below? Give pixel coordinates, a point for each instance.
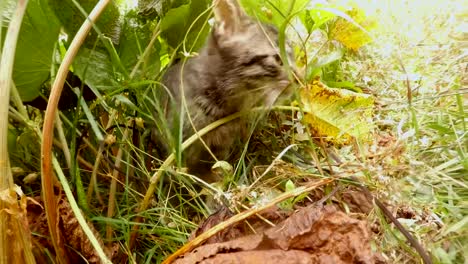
(240, 229)
(72, 233)
(16, 231)
(357, 201)
(313, 234)
(265, 256)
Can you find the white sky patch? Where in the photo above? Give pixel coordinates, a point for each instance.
(129, 4)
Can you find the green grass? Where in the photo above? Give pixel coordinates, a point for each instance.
(429, 173)
(417, 162)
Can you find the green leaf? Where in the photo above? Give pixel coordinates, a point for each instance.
(34, 50)
(345, 85)
(176, 18)
(319, 62)
(289, 186)
(273, 11)
(23, 148)
(457, 227)
(121, 99)
(94, 67)
(317, 17)
(91, 119)
(71, 17)
(288, 203)
(134, 40)
(336, 115)
(152, 8)
(187, 24)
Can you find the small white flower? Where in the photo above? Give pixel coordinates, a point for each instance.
(425, 141)
(408, 134)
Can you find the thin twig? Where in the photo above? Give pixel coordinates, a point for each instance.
(416, 245)
(93, 181)
(113, 186)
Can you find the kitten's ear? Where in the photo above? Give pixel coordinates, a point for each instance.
(229, 16)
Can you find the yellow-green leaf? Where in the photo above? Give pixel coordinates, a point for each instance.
(352, 29)
(336, 115)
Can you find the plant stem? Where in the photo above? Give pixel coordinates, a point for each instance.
(113, 186)
(16, 99)
(79, 216)
(93, 181)
(48, 129)
(63, 141)
(8, 202)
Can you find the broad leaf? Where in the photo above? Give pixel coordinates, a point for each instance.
(134, 40)
(72, 18)
(186, 24)
(319, 62)
(34, 50)
(23, 148)
(152, 8)
(336, 115)
(174, 21)
(352, 29)
(94, 67)
(273, 11)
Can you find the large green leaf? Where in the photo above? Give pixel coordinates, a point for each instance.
(71, 17)
(174, 21)
(186, 24)
(153, 8)
(336, 115)
(94, 67)
(23, 148)
(317, 16)
(135, 38)
(273, 11)
(35, 47)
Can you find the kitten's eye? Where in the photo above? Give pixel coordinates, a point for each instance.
(278, 59)
(255, 60)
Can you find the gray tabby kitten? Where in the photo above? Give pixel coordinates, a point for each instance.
(238, 68)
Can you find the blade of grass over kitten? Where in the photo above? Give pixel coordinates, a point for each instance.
(46, 151)
(79, 216)
(187, 52)
(142, 58)
(21, 238)
(168, 162)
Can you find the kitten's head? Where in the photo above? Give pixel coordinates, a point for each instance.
(248, 49)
